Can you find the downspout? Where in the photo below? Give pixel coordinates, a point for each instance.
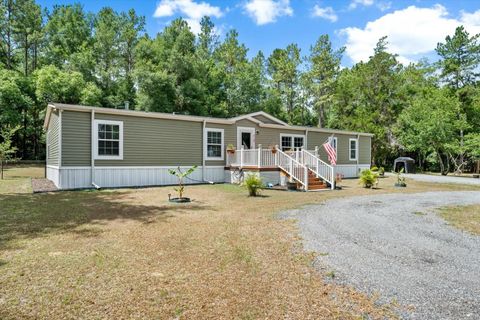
(306, 139)
(358, 150)
(92, 150)
(204, 124)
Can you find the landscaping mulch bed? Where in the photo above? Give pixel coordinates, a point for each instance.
(43, 185)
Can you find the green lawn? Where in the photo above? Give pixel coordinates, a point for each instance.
(129, 253)
(466, 218)
(16, 178)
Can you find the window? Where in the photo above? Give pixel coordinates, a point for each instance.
(353, 149)
(333, 142)
(291, 142)
(214, 144)
(109, 140)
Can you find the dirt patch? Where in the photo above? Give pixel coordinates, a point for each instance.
(43, 185)
(122, 254)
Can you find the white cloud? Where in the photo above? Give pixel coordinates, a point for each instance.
(267, 11)
(411, 32)
(355, 3)
(192, 11)
(325, 13)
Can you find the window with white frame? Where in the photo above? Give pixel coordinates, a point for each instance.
(214, 144)
(108, 139)
(333, 142)
(353, 149)
(291, 142)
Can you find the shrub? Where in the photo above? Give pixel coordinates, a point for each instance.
(368, 178)
(401, 181)
(253, 183)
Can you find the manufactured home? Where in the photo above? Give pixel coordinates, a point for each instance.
(100, 147)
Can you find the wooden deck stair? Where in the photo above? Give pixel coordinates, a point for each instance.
(315, 183)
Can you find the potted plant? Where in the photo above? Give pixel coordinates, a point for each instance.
(400, 179)
(273, 149)
(230, 149)
(381, 172)
(368, 178)
(291, 184)
(181, 187)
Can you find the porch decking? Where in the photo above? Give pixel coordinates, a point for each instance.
(303, 166)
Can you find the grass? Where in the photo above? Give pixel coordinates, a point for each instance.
(466, 218)
(131, 254)
(16, 178)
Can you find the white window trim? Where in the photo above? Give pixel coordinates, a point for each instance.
(205, 144)
(350, 149)
(336, 143)
(95, 140)
(293, 142)
(239, 136)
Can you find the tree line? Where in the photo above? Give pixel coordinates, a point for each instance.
(428, 110)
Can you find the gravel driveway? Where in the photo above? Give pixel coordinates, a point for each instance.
(443, 179)
(396, 246)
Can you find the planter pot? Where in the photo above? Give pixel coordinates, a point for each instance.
(292, 186)
(400, 185)
(179, 200)
(274, 151)
(231, 151)
(368, 185)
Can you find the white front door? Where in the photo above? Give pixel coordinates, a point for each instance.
(245, 138)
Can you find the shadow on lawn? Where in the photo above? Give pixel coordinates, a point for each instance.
(31, 215)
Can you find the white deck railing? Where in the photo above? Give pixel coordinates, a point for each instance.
(260, 158)
(295, 163)
(319, 167)
(295, 169)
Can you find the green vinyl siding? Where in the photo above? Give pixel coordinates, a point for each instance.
(76, 132)
(265, 119)
(365, 150)
(157, 142)
(319, 138)
(53, 140)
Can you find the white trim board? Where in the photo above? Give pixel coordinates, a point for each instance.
(96, 123)
(205, 144)
(250, 130)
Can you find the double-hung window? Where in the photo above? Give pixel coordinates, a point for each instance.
(353, 149)
(333, 142)
(108, 139)
(214, 144)
(292, 142)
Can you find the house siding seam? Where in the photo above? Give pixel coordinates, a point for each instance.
(157, 142)
(76, 138)
(53, 137)
(150, 142)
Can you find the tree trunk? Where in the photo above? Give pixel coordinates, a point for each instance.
(9, 34)
(442, 165)
(1, 168)
(26, 54)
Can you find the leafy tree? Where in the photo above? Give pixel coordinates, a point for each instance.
(283, 67)
(430, 125)
(55, 85)
(460, 59)
(7, 45)
(67, 33)
(27, 27)
(7, 150)
(323, 71)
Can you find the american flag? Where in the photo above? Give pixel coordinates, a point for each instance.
(332, 154)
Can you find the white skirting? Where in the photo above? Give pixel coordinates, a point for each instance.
(53, 174)
(351, 170)
(114, 177)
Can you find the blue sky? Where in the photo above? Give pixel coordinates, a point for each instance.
(413, 27)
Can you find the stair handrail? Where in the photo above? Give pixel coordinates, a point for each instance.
(295, 169)
(319, 167)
